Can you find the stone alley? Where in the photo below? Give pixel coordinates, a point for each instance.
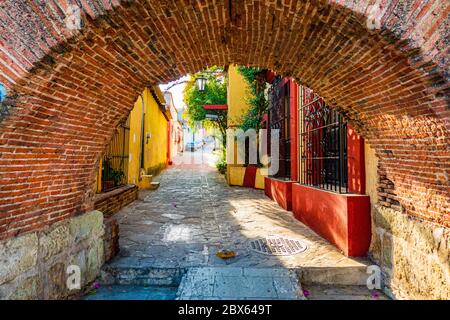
(170, 237)
(319, 132)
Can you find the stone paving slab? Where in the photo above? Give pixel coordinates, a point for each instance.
(240, 284)
(195, 213)
(133, 293)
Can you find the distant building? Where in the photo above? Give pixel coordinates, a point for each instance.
(175, 128)
(141, 146)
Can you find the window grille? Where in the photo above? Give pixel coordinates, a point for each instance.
(323, 144)
(115, 161)
(279, 118)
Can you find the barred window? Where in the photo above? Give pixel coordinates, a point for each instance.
(115, 161)
(279, 118)
(323, 144)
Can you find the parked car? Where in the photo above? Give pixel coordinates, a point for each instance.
(191, 146)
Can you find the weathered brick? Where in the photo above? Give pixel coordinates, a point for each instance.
(67, 90)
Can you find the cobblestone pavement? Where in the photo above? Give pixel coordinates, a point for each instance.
(194, 214)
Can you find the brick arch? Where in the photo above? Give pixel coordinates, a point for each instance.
(67, 90)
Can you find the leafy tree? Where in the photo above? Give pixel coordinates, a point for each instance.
(257, 101)
(215, 93)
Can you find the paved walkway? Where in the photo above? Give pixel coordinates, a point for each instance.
(195, 214)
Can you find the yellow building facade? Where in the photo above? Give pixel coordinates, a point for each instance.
(147, 142)
(237, 100)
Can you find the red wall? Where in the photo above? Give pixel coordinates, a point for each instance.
(279, 191)
(344, 220)
(169, 144)
(356, 168)
(294, 129)
(250, 176)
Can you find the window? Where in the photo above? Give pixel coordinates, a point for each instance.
(279, 118)
(115, 160)
(323, 144)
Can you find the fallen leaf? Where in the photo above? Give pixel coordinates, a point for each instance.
(226, 254)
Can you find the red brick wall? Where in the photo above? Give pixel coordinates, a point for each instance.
(111, 202)
(68, 90)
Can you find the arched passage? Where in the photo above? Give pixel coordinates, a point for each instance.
(68, 89)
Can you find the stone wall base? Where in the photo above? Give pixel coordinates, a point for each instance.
(111, 239)
(34, 265)
(414, 255)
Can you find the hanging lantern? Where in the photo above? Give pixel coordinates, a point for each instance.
(201, 83)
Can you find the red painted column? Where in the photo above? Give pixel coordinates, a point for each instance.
(169, 144)
(356, 168)
(294, 129)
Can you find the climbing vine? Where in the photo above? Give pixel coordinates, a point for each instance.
(257, 100)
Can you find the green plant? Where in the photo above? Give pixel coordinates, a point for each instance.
(257, 100)
(221, 165)
(111, 174)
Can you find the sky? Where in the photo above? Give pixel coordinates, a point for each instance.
(177, 92)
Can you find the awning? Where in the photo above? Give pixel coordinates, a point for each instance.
(215, 107)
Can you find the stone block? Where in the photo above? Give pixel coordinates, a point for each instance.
(111, 239)
(57, 278)
(17, 256)
(79, 259)
(387, 250)
(95, 260)
(415, 253)
(33, 266)
(87, 226)
(375, 246)
(54, 241)
(29, 289)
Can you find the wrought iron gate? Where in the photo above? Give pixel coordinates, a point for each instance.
(323, 144)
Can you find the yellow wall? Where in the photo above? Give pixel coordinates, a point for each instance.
(135, 142)
(371, 166)
(237, 96)
(155, 148)
(156, 126)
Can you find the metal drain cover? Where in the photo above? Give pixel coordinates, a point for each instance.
(277, 246)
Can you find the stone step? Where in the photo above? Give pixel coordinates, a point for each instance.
(154, 185)
(347, 276)
(135, 272)
(339, 292)
(129, 276)
(232, 283)
(130, 292)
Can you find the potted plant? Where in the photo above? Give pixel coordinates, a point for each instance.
(111, 178)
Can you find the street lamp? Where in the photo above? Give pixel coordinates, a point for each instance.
(201, 83)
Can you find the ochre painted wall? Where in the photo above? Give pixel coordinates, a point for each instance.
(238, 92)
(155, 148)
(156, 128)
(371, 170)
(237, 96)
(134, 165)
